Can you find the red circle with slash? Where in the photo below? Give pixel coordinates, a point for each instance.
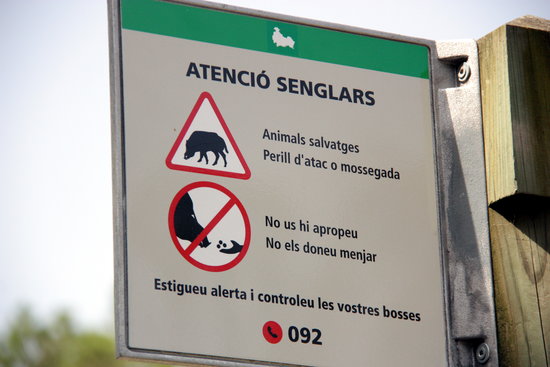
(223, 201)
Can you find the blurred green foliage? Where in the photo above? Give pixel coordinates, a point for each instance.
(27, 342)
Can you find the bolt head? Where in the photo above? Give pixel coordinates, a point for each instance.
(464, 73)
(483, 353)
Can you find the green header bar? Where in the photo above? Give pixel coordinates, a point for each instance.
(255, 33)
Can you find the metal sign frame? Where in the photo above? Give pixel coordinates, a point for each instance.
(464, 253)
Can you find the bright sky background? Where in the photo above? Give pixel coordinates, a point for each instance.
(55, 153)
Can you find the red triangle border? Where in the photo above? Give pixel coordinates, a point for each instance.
(205, 95)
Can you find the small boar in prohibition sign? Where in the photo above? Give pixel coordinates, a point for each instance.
(203, 142)
(186, 224)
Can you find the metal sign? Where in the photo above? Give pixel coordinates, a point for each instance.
(283, 192)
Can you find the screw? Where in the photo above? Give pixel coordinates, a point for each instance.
(464, 73)
(483, 353)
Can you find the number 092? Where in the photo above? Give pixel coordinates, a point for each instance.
(304, 335)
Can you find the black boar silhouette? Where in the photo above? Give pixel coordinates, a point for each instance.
(203, 142)
(185, 223)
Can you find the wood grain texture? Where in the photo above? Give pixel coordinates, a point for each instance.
(495, 102)
(515, 87)
(520, 240)
(515, 84)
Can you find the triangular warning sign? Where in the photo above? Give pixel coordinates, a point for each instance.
(205, 144)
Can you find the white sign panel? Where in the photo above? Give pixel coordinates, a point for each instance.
(280, 192)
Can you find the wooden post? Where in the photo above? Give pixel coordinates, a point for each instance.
(515, 88)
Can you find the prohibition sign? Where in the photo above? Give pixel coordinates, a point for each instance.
(209, 226)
